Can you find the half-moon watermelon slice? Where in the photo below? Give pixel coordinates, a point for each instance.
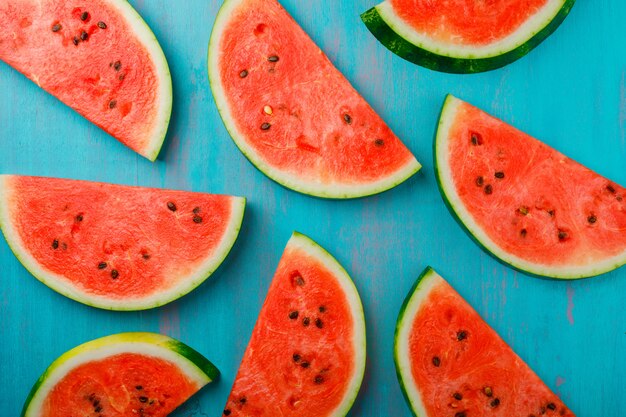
(464, 36)
(125, 375)
(306, 357)
(113, 246)
(527, 204)
(450, 363)
(97, 56)
(292, 113)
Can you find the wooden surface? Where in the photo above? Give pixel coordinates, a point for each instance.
(570, 92)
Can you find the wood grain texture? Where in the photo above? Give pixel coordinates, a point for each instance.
(569, 92)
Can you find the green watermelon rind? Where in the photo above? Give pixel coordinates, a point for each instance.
(418, 293)
(200, 275)
(343, 278)
(464, 218)
(396, 36)
(192, 363)
(334, 191)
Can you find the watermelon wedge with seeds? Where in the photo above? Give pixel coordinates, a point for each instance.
(292, 113)
(464, 36)
(524, 202)
(306, 356)
(113, 246)
(450, 363)
(128, 374)
(97, 56)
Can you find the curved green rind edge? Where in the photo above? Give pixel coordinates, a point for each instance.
(537, 273)
(231, 237)
(437, 62)
(399, 325)
(203, 364)
(400, 177)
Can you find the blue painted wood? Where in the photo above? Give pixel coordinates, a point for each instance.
(570, 92)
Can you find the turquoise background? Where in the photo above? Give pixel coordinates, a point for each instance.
(570, 92)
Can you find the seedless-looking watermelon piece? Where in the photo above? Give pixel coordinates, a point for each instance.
(306, 356)
(98, 57)
(464, 36)
(113, 246)
(125, 375)
(451, 363)
(527, 204)
(292, 113)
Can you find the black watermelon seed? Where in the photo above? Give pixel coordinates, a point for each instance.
(487, 391)
(227, 412)
(305, 364)
(306, 321)
(96, 403)
(57, 27)
(319, 323)
(243, 400)
(265, 126)
(551, 406)
(84, 16)
(75, 40)
(488, 189)
(79, 218)
(84, 36)
(318, 379)
(551, 213)
(55, 244)
(495, 402)
(143, 399)
(273, 58)
(436, 361)
(592, 219)
(610, 189)
(102, 25)
(114, 274)
(542, 410)
(121, 77)
(322, 309)
(476, 139)
(98, 409)
(499, 175)
(102, 265)
(462, 335)
(296, 357)
(196, 210)
(461, 414)
(480, 181)
(563, 235)
(112, 104)
(243, 74)
(145, 256)
(379, 142)
(347, 118)
(171, 206)
(117, 66)
(523, 232)
(138, 387)
(293, 315)
(457, 396)
(197, 219)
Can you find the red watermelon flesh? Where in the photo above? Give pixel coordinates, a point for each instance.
(527, 203)
(467, 22)
(451, 363)
(117, 246)
(307, 353)
(292, 113)
(99, 58)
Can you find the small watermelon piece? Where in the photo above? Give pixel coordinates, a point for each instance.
(113, 246)
(527, 204)
(451, 363)
(464, 36)
(129, 374)
(292, 113)
(306, 356)
(97, 56)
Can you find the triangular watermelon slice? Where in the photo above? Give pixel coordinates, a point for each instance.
(292, 113)
(128, 374)
(306, 356)
(450, 363)
(113, 246)
(98, 57)
(527, 204)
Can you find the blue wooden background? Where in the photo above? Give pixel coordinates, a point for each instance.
(570, 92)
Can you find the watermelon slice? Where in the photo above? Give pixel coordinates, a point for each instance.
(464, 36)
(292, 113)
(527, 204)
(98, 57)
(129, 374)
(306, 356)
(451, 363)
(116, 247)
